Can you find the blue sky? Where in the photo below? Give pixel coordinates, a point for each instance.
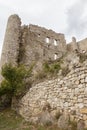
(63, 16)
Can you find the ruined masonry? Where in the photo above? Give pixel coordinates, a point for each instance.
(29, 44)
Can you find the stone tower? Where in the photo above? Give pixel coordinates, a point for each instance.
(74, 44)
(10, 48)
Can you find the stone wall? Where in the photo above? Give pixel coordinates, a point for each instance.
(42, 44)
(81, 46)
(68, 93)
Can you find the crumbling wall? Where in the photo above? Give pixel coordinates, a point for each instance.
(67, 94)
(83, 45)
(72, 46)
(42, 44)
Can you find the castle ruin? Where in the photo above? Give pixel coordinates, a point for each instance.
(28, 44)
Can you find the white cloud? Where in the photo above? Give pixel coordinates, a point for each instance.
(77, 19)
(59, 15)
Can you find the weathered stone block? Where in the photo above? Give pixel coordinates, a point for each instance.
(83, 111)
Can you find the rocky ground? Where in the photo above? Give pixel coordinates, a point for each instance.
(9, 120)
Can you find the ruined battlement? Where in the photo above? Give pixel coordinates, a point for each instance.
(47, 33)
(47, 36)
(31, 43)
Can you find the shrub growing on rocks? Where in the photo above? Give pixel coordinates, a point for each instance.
(13, 83)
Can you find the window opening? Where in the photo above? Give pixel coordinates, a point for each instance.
(47, 40)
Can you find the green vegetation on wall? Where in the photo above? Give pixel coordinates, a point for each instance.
(51, 68)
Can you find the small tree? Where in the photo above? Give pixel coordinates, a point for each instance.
(14, 79)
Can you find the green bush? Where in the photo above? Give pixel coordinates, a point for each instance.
(51, 68)
(48, 70)
(55, 68)
(46, 67)
(13, 82)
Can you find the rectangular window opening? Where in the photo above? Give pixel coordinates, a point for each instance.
(47, 40)
(55, 56)
(55, 42)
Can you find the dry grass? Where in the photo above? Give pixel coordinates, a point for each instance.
(9, 120)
